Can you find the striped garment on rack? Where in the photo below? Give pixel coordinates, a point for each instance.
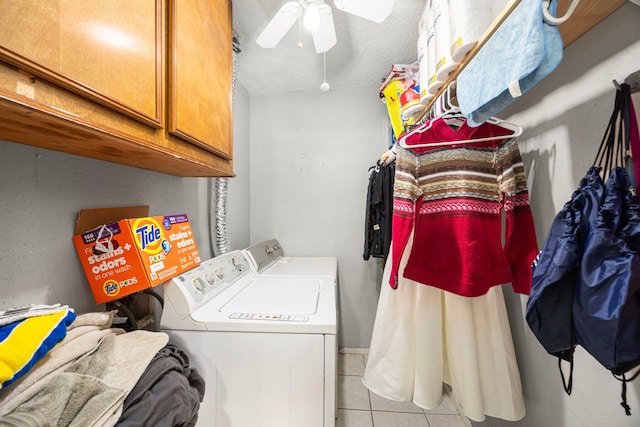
(453, 199)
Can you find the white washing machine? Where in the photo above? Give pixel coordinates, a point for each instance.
(265, 345)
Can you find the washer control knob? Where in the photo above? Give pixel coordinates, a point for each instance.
(269, 250)
(198, 284)
(210, 278)
(237, 264)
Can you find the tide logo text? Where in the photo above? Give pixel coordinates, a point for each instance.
(148, 234)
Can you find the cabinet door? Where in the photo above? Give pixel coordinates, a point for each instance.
(201, 73)
(109, 51)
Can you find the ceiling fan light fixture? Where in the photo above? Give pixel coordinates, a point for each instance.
(279, 25)
(312, 17)
(318, 18)
(373, 10)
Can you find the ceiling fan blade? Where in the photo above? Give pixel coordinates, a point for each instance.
(324, 38)
(279, 25)
(373, 10)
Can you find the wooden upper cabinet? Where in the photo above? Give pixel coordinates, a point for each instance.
(109, 51)
(201, 73)
(145, 83)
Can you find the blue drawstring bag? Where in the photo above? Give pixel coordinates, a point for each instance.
(556, 270)
(606, 306)
(586, 281)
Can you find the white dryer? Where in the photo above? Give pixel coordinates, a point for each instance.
(265, 345)
(268, 259)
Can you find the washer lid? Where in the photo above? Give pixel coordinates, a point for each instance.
(276, 295)
(303, 266)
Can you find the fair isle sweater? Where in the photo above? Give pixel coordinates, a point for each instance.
(453, 198)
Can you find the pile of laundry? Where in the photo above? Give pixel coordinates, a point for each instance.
(59, 368)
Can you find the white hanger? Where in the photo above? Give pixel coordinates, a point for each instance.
(552, 20)
(388, 156)
(442, 106)
(447, 107)
(517, 131)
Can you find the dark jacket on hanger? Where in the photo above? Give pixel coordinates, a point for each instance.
(379, 211)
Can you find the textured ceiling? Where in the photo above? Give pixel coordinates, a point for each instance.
(362, 57)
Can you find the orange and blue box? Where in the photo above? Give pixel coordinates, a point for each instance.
(130, 255)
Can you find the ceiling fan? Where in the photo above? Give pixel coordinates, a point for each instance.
(318, 18)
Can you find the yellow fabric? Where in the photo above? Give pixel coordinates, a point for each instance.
(24, 342)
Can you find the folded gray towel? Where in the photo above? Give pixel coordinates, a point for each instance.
(522, 51)
(72, 399)
(92, 388)
(24, 419)
(83, 336)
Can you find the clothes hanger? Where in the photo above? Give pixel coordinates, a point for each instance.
(517, 131)
(552, 20)
(448, 111)
(388, 156)
(443, 107)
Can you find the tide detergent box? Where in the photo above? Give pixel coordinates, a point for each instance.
(126, 256)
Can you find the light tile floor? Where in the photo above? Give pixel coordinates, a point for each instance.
(360, 407)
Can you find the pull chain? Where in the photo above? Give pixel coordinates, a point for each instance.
(324, 86)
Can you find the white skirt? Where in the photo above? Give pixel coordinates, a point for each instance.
(424, 337)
